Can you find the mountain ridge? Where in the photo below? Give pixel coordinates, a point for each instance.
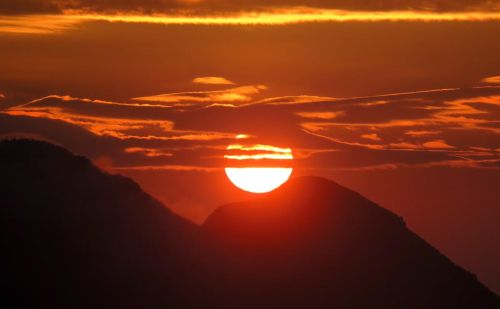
(373, 242)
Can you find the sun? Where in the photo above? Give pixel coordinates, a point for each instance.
(258, 179)
(258, 168)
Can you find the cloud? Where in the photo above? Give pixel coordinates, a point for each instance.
(404, 145)
(98, 125)
(491, 80)
(38, 24)
(113, 119)
(212, 80)
(469, 164)
(437, 144)
(14, 7)
(257, 152)
(389, 131)
(211, 6)
(185, 99)
(149, 152)
(459, 118)
(290, 100)
(46, 17)
(293, 15)
(417, 133)
(182, 168)
(371, 136)
(319, 115)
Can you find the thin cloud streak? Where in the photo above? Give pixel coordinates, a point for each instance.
(287, 16)
(473, 164)
(167, 168)
(46, 24)
(319, 115)
(185, 99)
(257, 152)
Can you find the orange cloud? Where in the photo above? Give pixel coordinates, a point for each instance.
(404, 145)
(320, 115)
(121, 128)
(290, 100)
(149, 152)
(475, 164)
(421, 133)
(491, 80)
(273, 156)
(344, 142)
(374, 103)
(172, 167)
(259, 147)
(102, 126)
(321, 126)
(291, 15)
(72, 16)
(437, 144)
(459, 112)
(260, 152)
(37, 24)
(212, 80)
(238, 94)
(373, 137)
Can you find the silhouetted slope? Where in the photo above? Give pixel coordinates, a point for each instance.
(75, 237)
(313, 243)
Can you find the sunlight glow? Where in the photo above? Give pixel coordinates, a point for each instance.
(258, 179)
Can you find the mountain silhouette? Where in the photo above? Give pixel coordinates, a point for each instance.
(314, 244)
(74, 236)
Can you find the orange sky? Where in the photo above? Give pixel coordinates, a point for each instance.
(400, 103)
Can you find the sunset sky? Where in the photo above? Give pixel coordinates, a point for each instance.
(398, 100)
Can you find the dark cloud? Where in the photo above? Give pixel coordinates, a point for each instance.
(211, 6)
(12, 7)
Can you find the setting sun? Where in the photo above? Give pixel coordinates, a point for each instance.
(257, 168)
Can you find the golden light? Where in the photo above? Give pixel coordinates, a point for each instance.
(257, 168)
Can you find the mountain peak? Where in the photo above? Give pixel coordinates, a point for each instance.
(303, 205)
(315, 237)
